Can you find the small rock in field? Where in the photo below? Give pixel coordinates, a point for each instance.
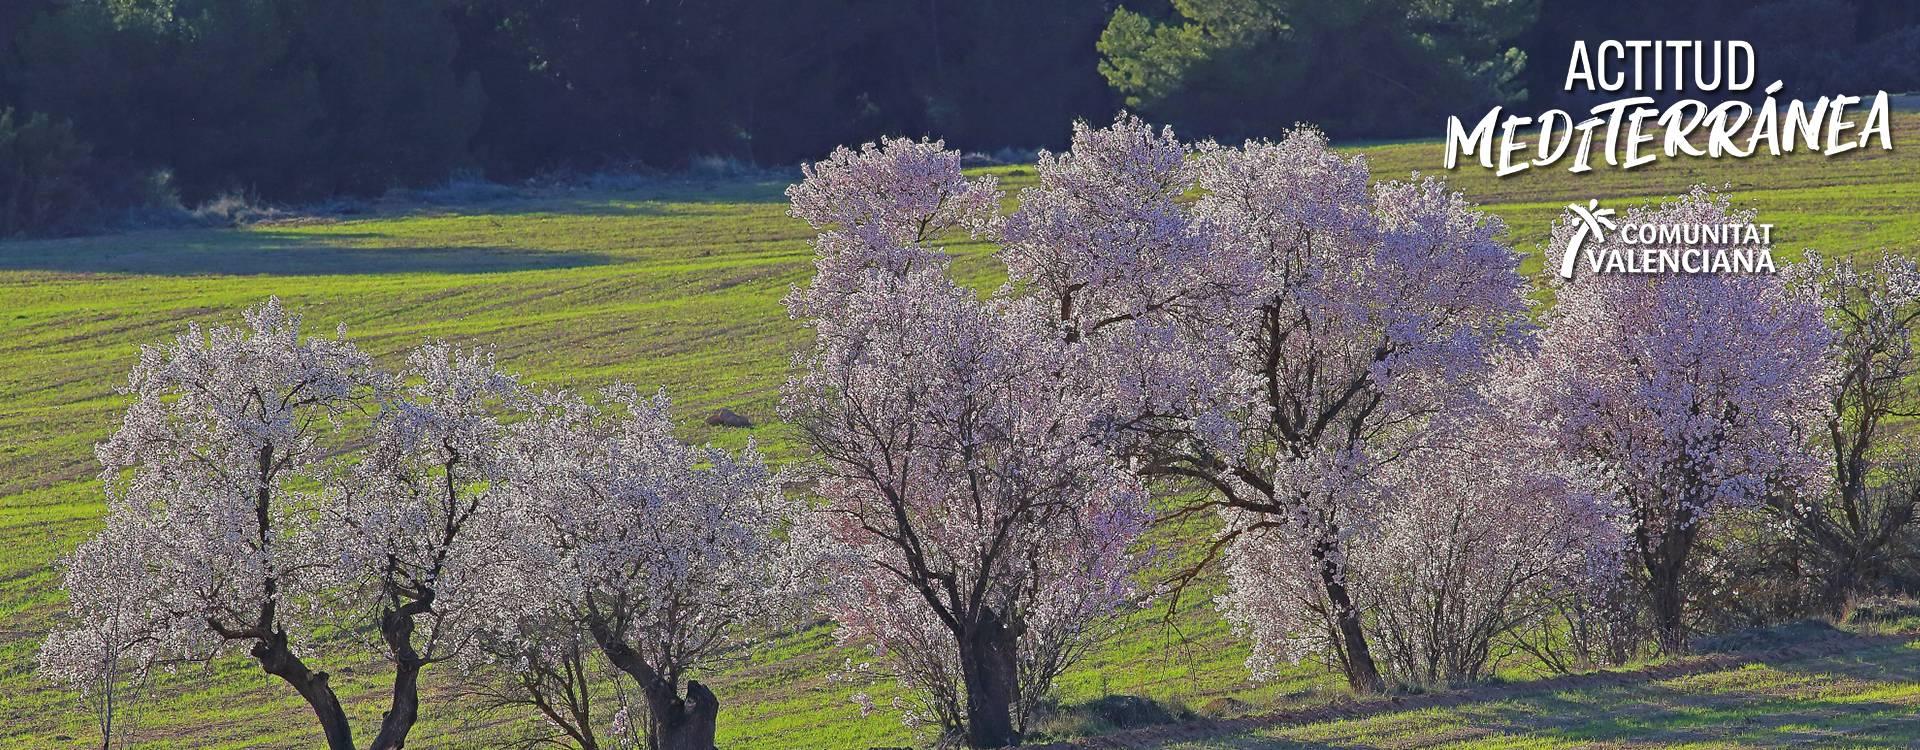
(727, 418)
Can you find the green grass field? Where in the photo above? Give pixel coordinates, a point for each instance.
(679, 285)
(1856, 694)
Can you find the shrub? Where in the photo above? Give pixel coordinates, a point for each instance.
(1885, 614)
(1480, 534)
(1109, 713)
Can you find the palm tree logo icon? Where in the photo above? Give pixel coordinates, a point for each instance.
(1592, 221)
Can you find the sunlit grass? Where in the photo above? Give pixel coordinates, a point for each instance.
(679, 286)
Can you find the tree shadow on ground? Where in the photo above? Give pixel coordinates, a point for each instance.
(196, 252)
(1633, 723)
(642, 196)
(1791, 704)
(1658, 716)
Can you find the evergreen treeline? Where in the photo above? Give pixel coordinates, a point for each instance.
(123, 102)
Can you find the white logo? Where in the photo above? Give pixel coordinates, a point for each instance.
(1593, 222)
(1647, 247)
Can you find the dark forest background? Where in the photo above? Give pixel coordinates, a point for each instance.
(116, 103)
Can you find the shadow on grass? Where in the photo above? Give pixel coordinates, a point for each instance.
(1657, 718)
(641, 197)
(245, 253)
(1660, 716)
(1817, 702)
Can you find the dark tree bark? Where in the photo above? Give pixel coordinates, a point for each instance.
(1665, 559)
(279, 660)
(1363, 675)
(677, 723)
(989, 668)
(673, 722)
(396, 626)
(270, 647)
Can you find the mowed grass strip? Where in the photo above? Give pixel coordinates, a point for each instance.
(678, 286)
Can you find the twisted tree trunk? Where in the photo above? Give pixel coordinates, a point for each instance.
(279, 660)
(676, 723)
(989, 669)
(270, 647)
(673, 722)
(396, 626)
(1363, 675)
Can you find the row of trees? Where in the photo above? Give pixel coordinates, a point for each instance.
(1393, 69)
(309, 100)
(1408, 466)
(266, 486)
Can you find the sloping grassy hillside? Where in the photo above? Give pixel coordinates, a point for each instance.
(676, 285)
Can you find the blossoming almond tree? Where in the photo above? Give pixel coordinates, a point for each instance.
(877, 211)
(664, 553)
(1273, 340)
(1859, 522)
(111, 644)
(976, 531)
(235, 476)
(208, 473)
(417, 523)
(1130, 277)
(1686, 393)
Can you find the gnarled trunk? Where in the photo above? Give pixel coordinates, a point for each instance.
(1363, 675)
(278, 660)
(673, 722)
(989, 669)
(676, 723)
(1665, 560)
(397, 628)
(400, 717)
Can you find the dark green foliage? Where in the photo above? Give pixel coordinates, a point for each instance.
(583, 82)
(43, 173)
(387, 93)
(296, 100)
(291, 98)
(1364, 68)
(1816, 47)
(1397, 68)
(304, 99)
